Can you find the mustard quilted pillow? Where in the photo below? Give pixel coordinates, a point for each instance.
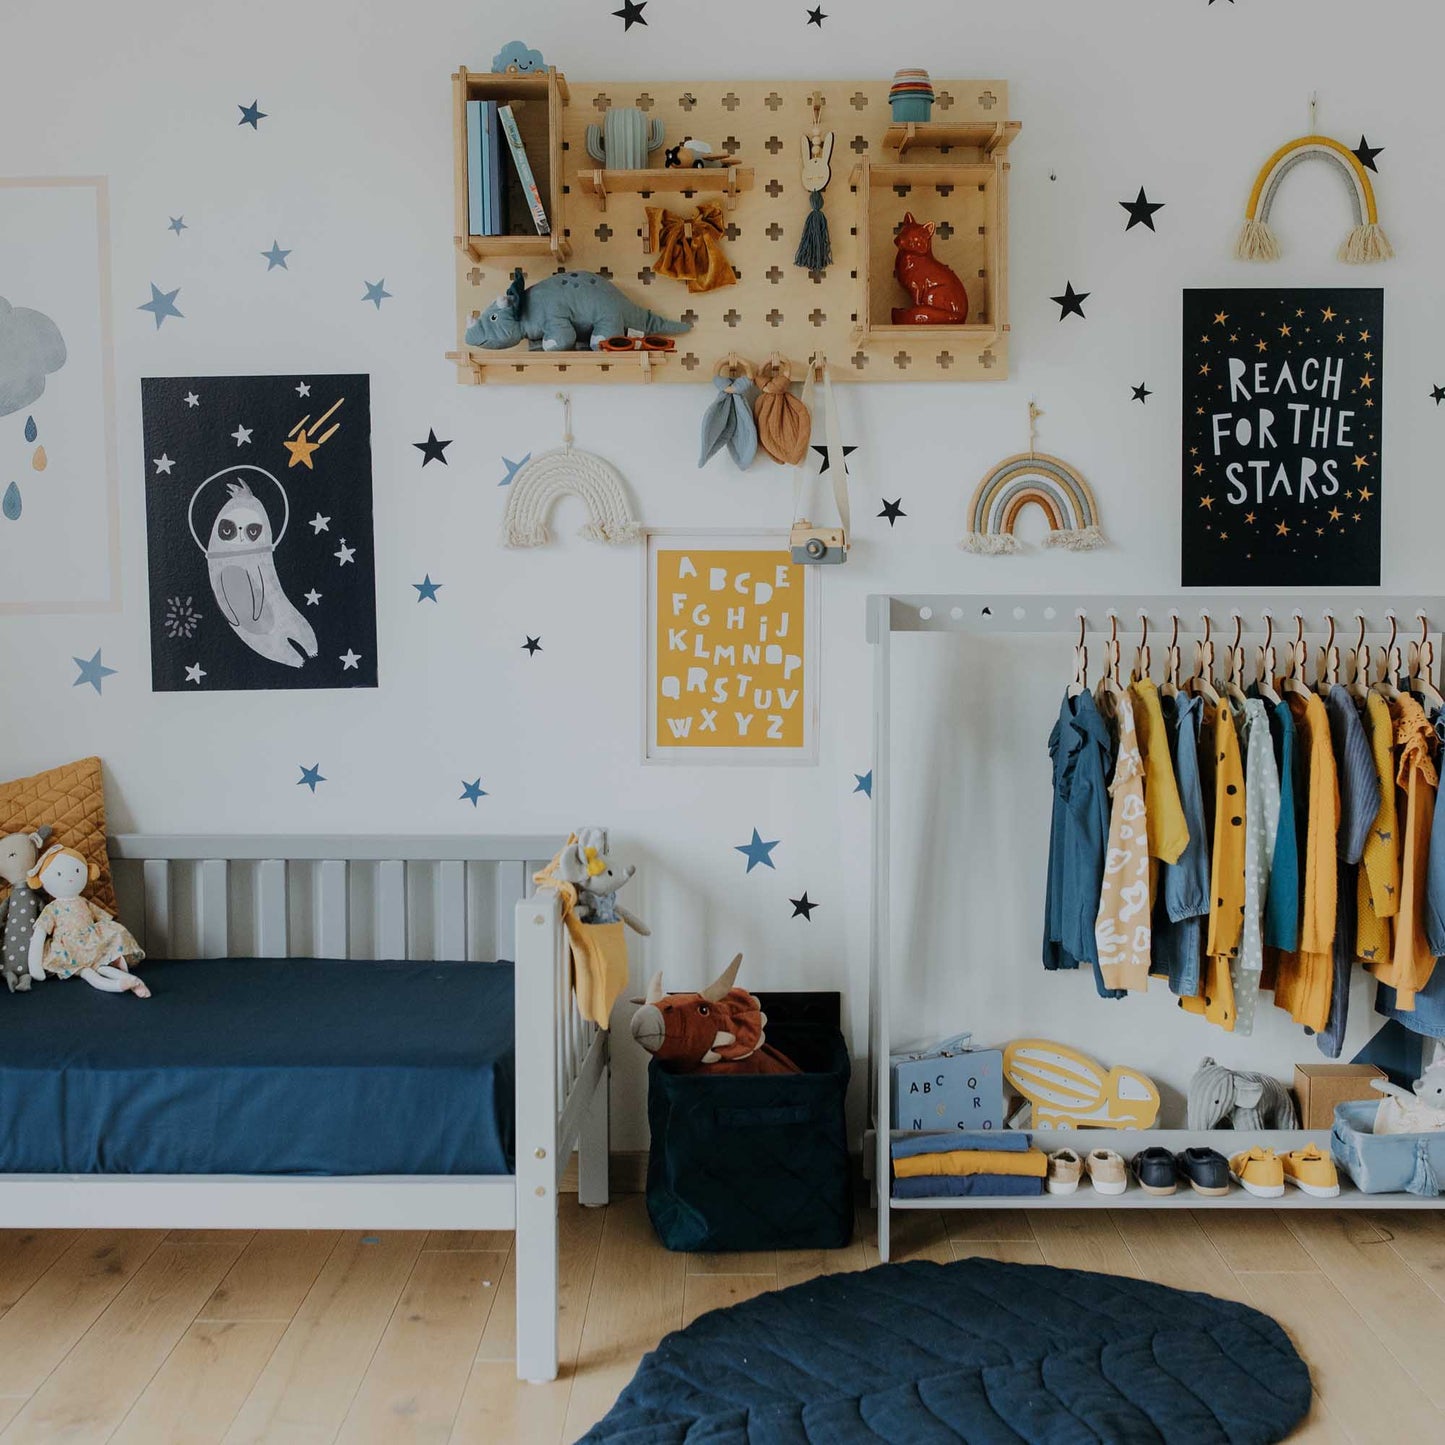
(71, 798)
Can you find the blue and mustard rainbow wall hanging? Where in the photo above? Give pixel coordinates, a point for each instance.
(1033, 478)
(1365, 242)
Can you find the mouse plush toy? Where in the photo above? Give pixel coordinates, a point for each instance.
(20, 907)
(589, 868)
(75, 936)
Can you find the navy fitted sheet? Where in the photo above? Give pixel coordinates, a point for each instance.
(263, 1066)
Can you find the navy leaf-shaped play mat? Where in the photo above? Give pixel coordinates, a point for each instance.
(977, 1351)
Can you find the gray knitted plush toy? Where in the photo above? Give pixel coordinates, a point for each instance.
(1246, 1100)
(19, 910)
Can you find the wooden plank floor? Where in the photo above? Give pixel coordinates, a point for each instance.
(149, 1338)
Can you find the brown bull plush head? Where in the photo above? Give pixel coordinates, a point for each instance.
(719, 1028)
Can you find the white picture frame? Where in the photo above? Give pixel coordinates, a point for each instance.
(659, 541)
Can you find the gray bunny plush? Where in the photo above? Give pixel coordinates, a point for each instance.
(587, 866)
(18, 912)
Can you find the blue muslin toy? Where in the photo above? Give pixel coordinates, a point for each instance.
(728, 421)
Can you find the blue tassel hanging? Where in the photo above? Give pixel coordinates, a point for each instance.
(815, 247)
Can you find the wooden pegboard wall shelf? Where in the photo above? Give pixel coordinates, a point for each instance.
(775, 306)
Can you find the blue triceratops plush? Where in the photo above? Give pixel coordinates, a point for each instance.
(571, 311)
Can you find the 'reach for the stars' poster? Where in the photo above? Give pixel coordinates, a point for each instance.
(1283, 391)
(259, 532)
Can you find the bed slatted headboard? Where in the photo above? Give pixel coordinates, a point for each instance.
(202, 896)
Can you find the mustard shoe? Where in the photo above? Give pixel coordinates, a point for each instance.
(1258, 1171)
(1312, 1170)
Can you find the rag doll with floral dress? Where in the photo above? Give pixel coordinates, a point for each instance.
(75, 936)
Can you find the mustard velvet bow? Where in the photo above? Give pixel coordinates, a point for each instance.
(689, 248)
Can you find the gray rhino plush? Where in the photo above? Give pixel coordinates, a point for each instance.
(19, 853)
(571, 311)
(1238, 1099)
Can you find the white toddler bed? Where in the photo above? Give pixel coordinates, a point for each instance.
(361, 898)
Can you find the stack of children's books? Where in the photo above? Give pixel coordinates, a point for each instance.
(492, 130)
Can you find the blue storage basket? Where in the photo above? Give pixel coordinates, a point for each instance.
(1386, 1163)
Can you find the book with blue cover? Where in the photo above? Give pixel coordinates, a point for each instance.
(484, 170)
(524, 170)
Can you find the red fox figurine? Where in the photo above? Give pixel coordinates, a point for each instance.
(938, 295)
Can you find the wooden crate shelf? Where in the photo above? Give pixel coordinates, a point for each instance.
(988, 137)
(968, 201)
(842, 312)
(727, 181)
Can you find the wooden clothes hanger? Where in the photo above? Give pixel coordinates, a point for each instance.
(1266, 663)
(1080, 684)
(1360, 664)
(1202, 682)
(1422, 666)
(1234, 665)
(1170, 686)
(1143, 659)
(1387, 684)
(1327, 674)
(1110, 687)
(1298, 660)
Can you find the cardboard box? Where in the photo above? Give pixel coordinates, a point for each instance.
(950, 1086)
(1319, 1087)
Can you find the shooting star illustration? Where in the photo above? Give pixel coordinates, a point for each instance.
(301, 444)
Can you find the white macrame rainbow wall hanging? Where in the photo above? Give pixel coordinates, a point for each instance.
(566, 471)
(1366, 240)
(1033, 478)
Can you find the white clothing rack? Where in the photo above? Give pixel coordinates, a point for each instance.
(1016, 614)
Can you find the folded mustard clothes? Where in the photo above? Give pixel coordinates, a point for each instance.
(689, 248)
(1031, 1163)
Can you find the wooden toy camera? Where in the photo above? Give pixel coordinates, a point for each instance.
(819, 546)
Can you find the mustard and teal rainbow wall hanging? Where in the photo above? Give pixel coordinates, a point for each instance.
(1033, 478)
(1365, 242)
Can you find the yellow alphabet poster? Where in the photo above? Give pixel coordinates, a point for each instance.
(731, 652)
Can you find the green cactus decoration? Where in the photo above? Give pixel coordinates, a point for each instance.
(624, 140)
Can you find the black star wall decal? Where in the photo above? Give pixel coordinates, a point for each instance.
(432, 449)
(1142, 393)
(1071, 303)
(1367, 153)
(823, 452)
(532, 646)
(1141, 211)
(1437, 394)
(892, 510)
(816, 17)
(803, 907)
(631, 14)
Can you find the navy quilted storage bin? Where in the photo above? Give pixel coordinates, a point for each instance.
(742, 1162)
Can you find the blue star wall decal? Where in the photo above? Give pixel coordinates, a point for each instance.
(863, 782)
(472, 792)
(309, 776)
(276, 257)
(161, 304)
(757, 851)
(251, 115)
(512, 469)
(376, 292)
(94, 672)
(426, 589)
(178, 224)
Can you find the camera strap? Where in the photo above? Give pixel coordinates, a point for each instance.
(837, 466)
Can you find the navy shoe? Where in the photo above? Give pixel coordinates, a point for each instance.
(1207, 1170)
(1155, 1170)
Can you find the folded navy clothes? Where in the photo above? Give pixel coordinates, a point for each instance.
(938, 1186)
(943, 1142)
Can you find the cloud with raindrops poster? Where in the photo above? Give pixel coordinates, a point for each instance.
(260, 535)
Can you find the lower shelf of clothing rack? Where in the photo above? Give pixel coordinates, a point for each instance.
(1129, 1142)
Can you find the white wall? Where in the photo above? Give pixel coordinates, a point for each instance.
(353, 171)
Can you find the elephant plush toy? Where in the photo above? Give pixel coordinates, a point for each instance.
(571, 311)
(19, 853)
(1238, 1099)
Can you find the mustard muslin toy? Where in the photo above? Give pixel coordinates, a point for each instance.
(586, 879)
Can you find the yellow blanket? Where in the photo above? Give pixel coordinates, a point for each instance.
(1029, 1162)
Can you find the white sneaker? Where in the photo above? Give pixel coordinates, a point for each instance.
(1065, 1169)
(1107, 1171)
